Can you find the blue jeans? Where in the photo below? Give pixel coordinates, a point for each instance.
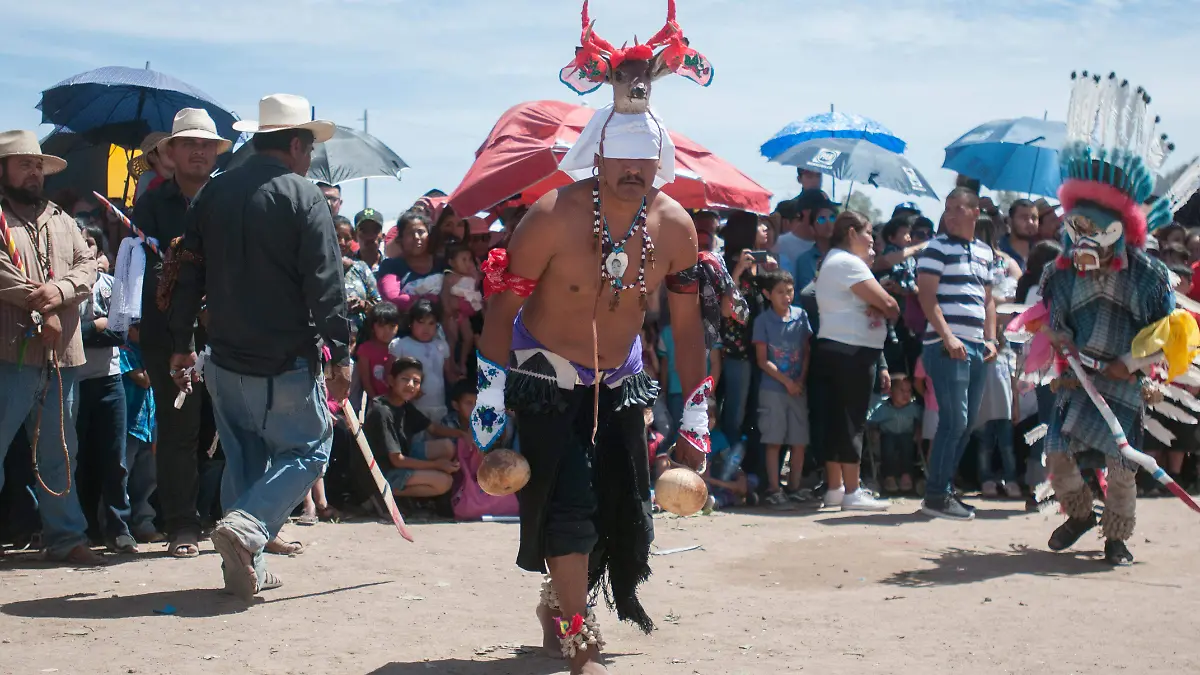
(276, 433)
(103, 472)
(958, 386)
(63, 524)
(736, 376)
(996, 435)
(139, 455)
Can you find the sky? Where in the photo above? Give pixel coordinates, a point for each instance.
(435, 75)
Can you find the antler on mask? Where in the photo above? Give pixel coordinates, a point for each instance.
(597, 62)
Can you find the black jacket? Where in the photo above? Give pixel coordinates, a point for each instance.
(272, 272)
(159, 213)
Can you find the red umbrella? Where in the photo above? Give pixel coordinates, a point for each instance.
(522, 153)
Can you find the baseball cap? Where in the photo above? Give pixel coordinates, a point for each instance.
(787, 209)
(368, 214)
(814, 200)
(906, 206)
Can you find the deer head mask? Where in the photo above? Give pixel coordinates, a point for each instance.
(632, 70)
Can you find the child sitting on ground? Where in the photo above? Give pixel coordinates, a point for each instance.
(727, 483)
(371, 354)
(461, 300)
(898, 418)
(426, 344)
(781, 336)
(413, 465)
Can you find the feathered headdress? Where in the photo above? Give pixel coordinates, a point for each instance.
(1114, 152)
(596, 58)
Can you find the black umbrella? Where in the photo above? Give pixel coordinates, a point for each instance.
(349, 155)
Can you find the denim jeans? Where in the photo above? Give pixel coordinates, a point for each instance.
(63, 524)
(102, 473)
(675, 412)
(276, 433)
(735, 374)
(139, 455)
(996, 435)
(958, 386)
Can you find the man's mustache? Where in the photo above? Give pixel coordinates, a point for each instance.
(632, 180)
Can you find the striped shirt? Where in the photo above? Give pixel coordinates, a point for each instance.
(964, 271)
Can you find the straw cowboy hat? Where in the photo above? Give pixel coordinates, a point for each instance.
(25, 143)
(141, 164)
(280, 112)
(195, 123)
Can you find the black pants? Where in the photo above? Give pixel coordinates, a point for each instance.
(897, 454)
(178, 440)
(845, 375)
(101, 472)
(19, 518)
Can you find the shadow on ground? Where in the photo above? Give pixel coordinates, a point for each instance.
(959, 566)
(530, 663)
(897, 519)
(193, 602)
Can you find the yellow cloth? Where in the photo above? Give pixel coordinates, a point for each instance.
(1177, 336)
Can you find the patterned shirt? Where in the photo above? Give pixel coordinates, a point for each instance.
(360, 283)
(964, 272)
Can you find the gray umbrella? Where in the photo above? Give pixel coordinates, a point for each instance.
(859, 161)
(349, 155)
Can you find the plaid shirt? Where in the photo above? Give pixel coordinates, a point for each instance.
(1102, 313)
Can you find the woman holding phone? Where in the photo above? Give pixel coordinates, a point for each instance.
(745, 243)
(854, 310)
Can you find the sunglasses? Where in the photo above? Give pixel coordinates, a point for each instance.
(824, 220)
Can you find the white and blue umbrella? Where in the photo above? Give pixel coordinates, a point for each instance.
(859, 161)
(1020, 155)
(831, 125)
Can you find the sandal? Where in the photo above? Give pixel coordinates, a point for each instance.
(81, 556)
(123, 545)
(185, 545)
(281, 547)
(307, 520)
(329, 514)
(270, 582)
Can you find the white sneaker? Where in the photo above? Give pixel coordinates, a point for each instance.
(834, 497)
(862, 500)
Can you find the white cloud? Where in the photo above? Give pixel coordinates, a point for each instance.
(436, 75)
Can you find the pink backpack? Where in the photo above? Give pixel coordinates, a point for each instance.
(470, 502)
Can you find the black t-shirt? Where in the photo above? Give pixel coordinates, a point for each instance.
(390, 428)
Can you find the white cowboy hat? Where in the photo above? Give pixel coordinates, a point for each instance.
(18, 143)
(140, 164)
(195, 123)
(279, 112)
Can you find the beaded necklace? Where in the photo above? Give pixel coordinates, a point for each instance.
(616, 262)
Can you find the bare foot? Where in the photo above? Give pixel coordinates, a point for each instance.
(588, 663)
(550, 642)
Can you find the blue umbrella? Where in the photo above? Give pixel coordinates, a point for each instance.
(859, 161)
(831, 125)
(121, 105)
(1020, 155)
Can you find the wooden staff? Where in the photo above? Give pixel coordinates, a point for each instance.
(380, 482)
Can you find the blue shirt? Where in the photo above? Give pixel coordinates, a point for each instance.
(893, 420)
(139, 403)
(807, 264)
(786, 339)
(1007, 247)
(666, 350)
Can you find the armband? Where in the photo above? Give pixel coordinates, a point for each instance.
(497, 278)
(685, 281)
(694, 426)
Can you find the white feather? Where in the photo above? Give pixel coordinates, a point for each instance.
(1183, 188)
(1157, 430)
(1181, 395)
(1126, 102)
(1036, 434)
(1190, 378)
(1080, 111)
(1160, 149)
(1173, 411)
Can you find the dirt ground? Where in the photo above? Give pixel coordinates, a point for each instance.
(768, 593)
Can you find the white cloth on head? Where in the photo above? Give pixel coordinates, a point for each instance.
(637, 136)
(126, 307)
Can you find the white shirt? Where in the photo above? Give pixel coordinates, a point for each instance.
(788, 249)
(432, 355)
(843, 314)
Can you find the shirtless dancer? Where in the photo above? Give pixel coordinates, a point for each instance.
(568, 297)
